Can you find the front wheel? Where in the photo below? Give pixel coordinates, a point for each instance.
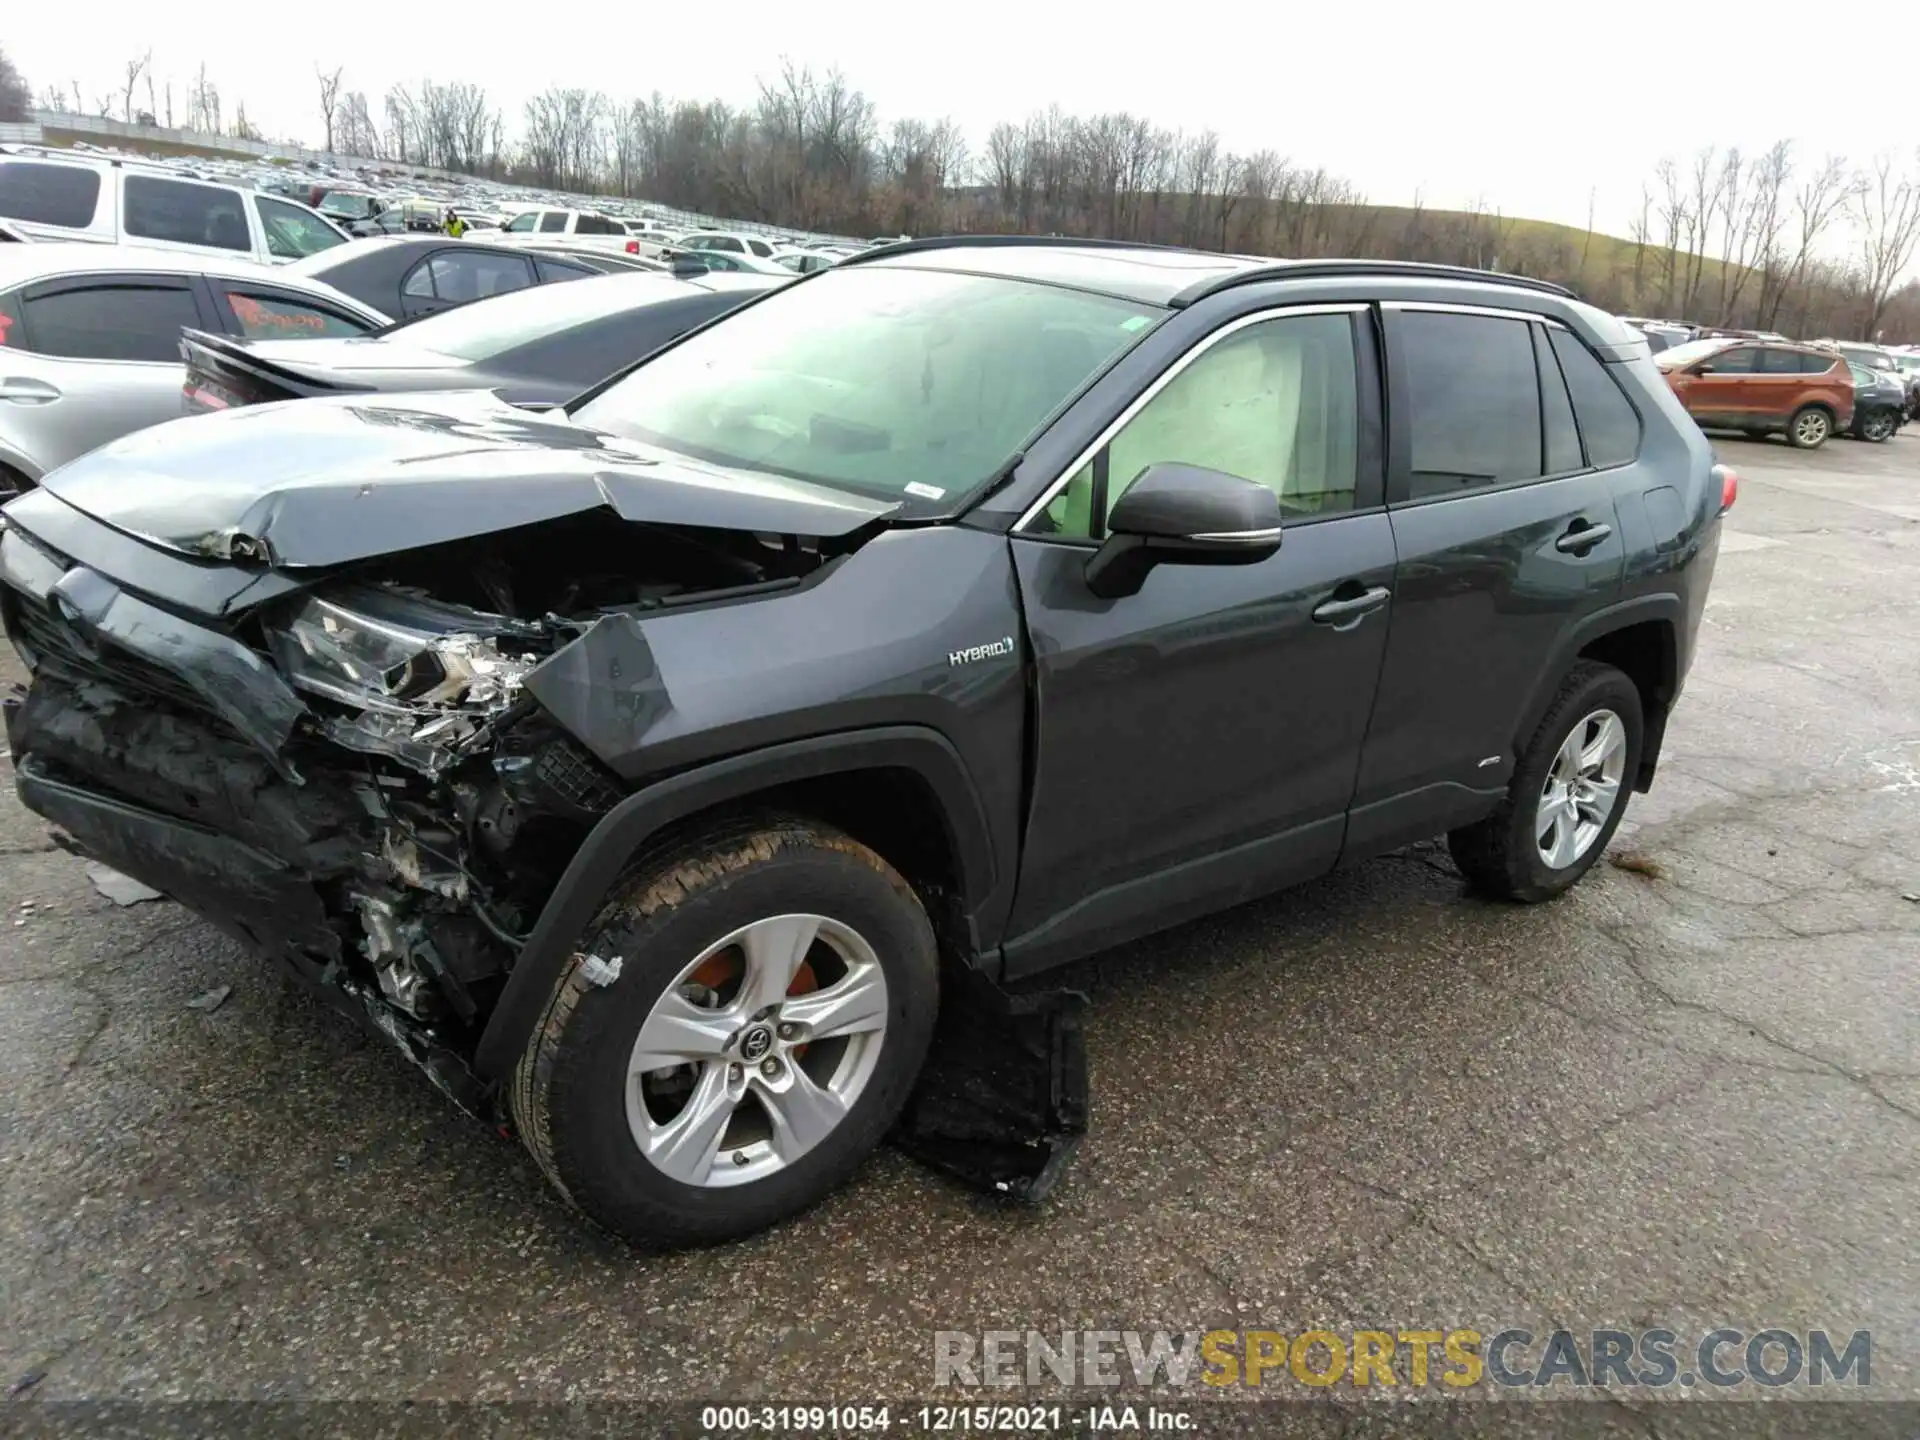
(1809, 428)
(741, 1026)
(1567, 794)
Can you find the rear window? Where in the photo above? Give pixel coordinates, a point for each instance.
(49, 194)
(479, 332)
(185, 213)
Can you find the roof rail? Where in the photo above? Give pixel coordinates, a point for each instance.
(1413, 269)
(987, 242)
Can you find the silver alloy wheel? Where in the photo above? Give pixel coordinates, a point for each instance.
(763, 1074)
(1811, 428)
(1582, 789)
(1877, 426)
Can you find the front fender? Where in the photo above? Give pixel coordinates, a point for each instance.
(612, 843)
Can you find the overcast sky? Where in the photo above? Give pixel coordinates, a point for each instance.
(1532, 108)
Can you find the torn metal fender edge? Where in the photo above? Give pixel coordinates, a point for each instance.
(1002, 1101)
(240, 687)
(597, 865)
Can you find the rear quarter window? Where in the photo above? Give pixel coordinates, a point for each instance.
(49, 194)
(1609, 425)
(11, 334)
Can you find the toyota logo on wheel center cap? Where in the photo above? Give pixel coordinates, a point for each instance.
(756, 1042)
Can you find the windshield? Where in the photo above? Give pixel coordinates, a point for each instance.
(353, 207)
(1694, 351)
(488, 328)
(889, 381)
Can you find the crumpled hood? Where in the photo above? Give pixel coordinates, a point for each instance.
(329, 481)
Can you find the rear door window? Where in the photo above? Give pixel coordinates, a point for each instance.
(12, 333)
(1473, 397)
(264, 314)
(553, 222)
(185, 213)
(458, 276)
(1738, 361)
(49, 194)
(293, 233)
(1609, 425)
(1778, 362)
(111, 320)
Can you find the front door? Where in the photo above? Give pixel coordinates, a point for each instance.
(1717, 390)
(93, 358)
(1196, 743)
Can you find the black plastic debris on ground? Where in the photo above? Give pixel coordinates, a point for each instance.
(1002, 1102)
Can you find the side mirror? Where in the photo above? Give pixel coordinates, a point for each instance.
(1183, 515)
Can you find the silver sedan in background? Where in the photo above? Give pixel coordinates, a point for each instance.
(90, 339)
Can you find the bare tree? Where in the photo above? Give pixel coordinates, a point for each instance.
(135, 68)
(203, 105)
(329, 99)
(16, 96)
(1887, 203)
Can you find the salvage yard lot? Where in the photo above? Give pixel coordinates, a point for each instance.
(1686, 1094)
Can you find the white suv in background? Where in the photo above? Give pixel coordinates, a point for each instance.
(116, 202)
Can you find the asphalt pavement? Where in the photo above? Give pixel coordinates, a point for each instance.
(1686, 1095)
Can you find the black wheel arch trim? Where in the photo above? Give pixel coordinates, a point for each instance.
(1664, 606)
(612, 843)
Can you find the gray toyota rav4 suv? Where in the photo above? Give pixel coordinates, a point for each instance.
(647, 769)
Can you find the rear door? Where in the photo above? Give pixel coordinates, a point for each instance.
(1506, 536)
(1774, 388)
(92, 358)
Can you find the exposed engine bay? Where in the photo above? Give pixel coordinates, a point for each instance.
(423, 806)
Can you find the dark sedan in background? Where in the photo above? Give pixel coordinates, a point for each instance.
(536, 346)
(415, 275)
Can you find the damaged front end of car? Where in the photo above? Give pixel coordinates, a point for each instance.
(359, 770)
(352, 778)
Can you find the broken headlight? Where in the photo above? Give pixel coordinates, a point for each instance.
(378, 650)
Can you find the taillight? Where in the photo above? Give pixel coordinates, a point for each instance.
(1729, 486)
(633, 247)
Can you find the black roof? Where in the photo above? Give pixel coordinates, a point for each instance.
(1155, 274)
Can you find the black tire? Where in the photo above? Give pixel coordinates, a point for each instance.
(1810, 427)
(1877, 427)
(1499, 855)
(12, 483)
(568, 1097)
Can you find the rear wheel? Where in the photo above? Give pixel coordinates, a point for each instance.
(741, 1026)
(1567, 794)
(1809, 428)
(1877, 426)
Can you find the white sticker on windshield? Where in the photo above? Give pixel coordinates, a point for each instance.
(1136, 322)
(925, 492)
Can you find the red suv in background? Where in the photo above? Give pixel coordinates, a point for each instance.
(1796, 390)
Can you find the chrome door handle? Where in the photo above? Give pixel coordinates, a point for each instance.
(1333, 612)
(25, 390)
